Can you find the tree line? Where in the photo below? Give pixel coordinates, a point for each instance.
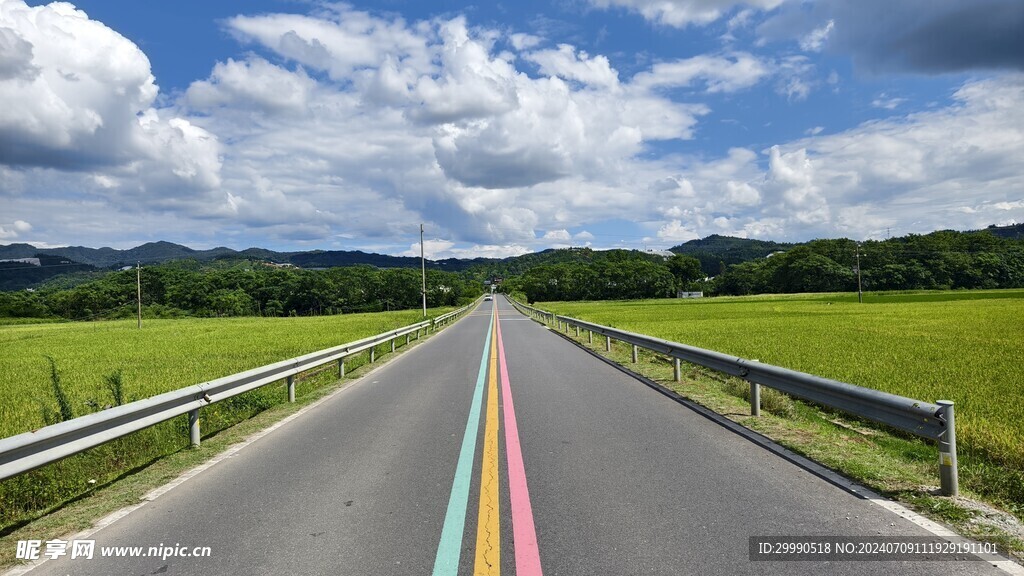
(938, 261)
(608, 275)
(945, 260)
(246, 288)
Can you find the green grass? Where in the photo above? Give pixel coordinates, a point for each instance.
(163, 356)
(960, 346)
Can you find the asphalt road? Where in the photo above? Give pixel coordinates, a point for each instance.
(619, 480)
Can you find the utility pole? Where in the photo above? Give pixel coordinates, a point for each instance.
(423, 270)
(860, 293)
(138, 288)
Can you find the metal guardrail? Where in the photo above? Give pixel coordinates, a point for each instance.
(30, 450)
(924, 419)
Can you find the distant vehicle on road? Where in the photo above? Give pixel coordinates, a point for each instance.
(488, 297)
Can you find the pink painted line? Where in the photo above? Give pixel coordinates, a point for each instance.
(524, 533)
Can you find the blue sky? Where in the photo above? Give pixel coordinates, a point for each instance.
(506, 128)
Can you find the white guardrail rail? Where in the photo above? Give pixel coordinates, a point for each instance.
(30, 450)
(924, 419)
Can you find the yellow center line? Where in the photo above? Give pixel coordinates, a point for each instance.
(488, 531)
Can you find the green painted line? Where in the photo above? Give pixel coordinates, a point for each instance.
(448, 550)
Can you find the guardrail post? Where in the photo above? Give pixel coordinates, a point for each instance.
(341, 368)
(590, 336)
(291, 388)
(948, 473)
(392, 345)
(577, 331)
(193, 427)
(677, 372)
(755, 399)
(406, 339)
(373, 354)
(635, 352)
(607, 343)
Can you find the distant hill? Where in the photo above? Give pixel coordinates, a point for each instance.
(157, 252)
(149, 253)
(35, 269)
(715, 250)
(58, 261)
(1013, 231)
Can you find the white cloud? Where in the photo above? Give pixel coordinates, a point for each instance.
(962, 164)
(887, 102)
(567, 64)
(441, 249)
(562, 234)
(339, 40)
(815, 39)
(814, 131)
(14, 230)
(78, 96)
(432, 249)
(521, 41)
(674, 231)
(795, 77)
(253, 83)
(729, 73)
(15, 57)
(682, 13)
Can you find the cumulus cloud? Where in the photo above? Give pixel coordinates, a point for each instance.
(567, 64)
(78, 96)
(253, 83)
(857, 182)
(674, 231)
(681, 13)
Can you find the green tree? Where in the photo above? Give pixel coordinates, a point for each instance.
(685, 269)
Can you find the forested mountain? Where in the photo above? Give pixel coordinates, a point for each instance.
(941, 260)
(718, 252)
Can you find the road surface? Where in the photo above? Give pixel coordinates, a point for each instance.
(496, 447)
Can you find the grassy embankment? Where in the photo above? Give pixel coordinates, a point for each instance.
(163, 356)
(960, 346)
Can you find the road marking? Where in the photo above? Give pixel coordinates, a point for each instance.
(446, 563)
(524, 533)
(488, 529)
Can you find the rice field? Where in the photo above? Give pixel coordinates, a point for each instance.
(164, 355)
(966, 347)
